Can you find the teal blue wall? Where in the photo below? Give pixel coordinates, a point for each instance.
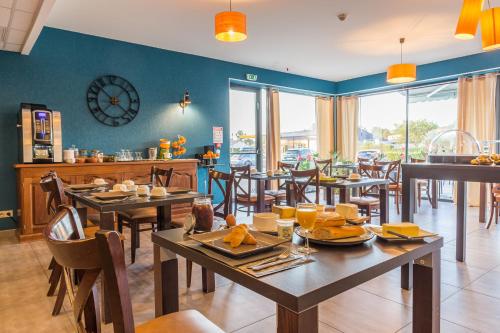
(433, 72)
(61, 66)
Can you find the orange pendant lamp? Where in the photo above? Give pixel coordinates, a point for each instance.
(401, 73)
(490, 29)
(230, 26)
(469, 19)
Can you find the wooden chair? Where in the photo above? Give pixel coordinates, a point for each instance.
(134, 218)
(299, 189)
(362, 160)
(104, 254)
(279, 195)
(369, 198)
(495, 204)
(422, 184)
(53, 186)
(224, 182)
(324, 166)
(243, 193)
(393, 174)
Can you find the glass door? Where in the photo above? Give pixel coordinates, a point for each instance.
(245, 126)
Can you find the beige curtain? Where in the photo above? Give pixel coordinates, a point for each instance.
(273, 144)
(324, 126)
(476, 115)
(347, 127)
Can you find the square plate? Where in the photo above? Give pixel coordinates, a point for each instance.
(112, 195)
(214, 240)
(79, 187)
(178, 190)
(388, 237)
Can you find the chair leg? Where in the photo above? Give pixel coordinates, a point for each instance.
(493, 210)
(55, 276)
(397, 201)
(60, 297)
(52, 264)
(419, 193)
(133, 240)
(120, 224)
(189, 272)
(248, 210)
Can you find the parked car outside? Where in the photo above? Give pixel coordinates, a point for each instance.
(243, 160)
(296, 154)
(369, 154)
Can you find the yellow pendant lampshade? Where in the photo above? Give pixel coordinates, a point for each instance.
(230, 26)
(401, 73)
(490, 29)
(469, 19)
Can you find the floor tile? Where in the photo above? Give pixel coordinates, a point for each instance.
(472, 310)
(268, 325)
(459, 274)
(488, 284)
(359, 311)
(446, 327)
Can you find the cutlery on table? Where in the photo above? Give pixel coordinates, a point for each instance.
(283, 255)
(287, 267)
(274, 263)
(400, 235)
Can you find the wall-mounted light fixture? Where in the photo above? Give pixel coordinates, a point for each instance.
(185, 101)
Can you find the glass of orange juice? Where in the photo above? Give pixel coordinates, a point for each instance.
(306, 216)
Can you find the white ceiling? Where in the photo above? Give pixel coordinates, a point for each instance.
(16, 21)
(303, 36)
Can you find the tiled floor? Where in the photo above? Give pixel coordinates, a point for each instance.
(470, 291)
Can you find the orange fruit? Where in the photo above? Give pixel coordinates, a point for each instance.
(231, 220)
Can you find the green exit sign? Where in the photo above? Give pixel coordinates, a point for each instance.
(252, 77)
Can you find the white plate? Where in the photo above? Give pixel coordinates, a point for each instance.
(393, 238)
(338, 242)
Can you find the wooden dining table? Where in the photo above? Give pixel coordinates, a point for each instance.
(297, 292)
(345, 187)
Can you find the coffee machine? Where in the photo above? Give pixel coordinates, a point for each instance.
(40, 135)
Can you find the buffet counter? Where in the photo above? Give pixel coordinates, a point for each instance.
(31, 199)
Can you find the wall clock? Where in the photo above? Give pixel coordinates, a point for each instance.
(113, 100)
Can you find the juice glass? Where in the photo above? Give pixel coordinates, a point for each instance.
(306, 216)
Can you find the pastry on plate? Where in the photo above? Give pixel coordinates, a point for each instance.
(239, 235)
(338, 232)
(329, 219)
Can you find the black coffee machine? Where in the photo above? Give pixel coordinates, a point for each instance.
(40, 135)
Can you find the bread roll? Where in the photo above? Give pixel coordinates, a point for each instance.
(329, 219)
(250, 239)
(338, 232)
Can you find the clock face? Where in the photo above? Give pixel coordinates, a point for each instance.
(113, 100)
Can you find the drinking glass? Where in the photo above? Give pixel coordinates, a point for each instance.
(306, 216)
(138, 155)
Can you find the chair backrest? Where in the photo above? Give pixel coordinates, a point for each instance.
(362, 160)
(393, 170)
(284, 166)
(242, 181)
(161, 177)
(324, 165)
(310, 178)
(371, 171)
(67, 243)
(53, 186)
(223, 209)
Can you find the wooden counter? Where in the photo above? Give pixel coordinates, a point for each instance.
(33, 215)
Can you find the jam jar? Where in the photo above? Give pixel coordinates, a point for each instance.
(203, 214)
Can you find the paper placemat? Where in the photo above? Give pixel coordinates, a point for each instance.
(234, 262)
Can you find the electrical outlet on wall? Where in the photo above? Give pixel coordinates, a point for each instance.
(6, 213)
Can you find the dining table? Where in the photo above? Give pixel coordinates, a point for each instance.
(298, 291)
(107, 210)
(263, 182)
(345, 187)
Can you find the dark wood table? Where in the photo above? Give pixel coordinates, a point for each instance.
(297, 292)
(263, 181)
(461, 173)
(106, 210)
(345, 188)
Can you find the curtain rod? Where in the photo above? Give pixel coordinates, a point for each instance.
(281, 88)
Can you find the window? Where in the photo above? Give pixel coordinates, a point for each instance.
(401, 124)
(298, 128)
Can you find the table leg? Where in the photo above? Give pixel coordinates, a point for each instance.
(344, 195)
(107, 221)
(426, 293)
(482, 202)
(461, 220)
(434, 196)
(164, 216)
(208, 280)
(260, 196)
(384, 204)
(290, 200)
(407, 276)
(166, 281)
(289, 321)
(328, 195)
(408, 192)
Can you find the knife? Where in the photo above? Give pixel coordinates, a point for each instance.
(284, 268)
(400, 235)
(274, 263)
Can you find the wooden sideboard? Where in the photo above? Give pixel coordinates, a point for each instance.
(31, 199)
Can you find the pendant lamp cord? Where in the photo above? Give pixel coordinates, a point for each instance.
(231, 5)
(401, 41)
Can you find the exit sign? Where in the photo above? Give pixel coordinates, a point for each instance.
(252, 77)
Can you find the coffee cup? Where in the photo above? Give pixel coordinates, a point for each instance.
(143, 190)
(119, 187)
(159, 191)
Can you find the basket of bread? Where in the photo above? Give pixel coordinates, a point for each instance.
(485, 159)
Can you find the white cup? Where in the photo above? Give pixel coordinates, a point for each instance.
(119, 187)
(99, 181)
(132, 188)
(159, 191)
(143, 190)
